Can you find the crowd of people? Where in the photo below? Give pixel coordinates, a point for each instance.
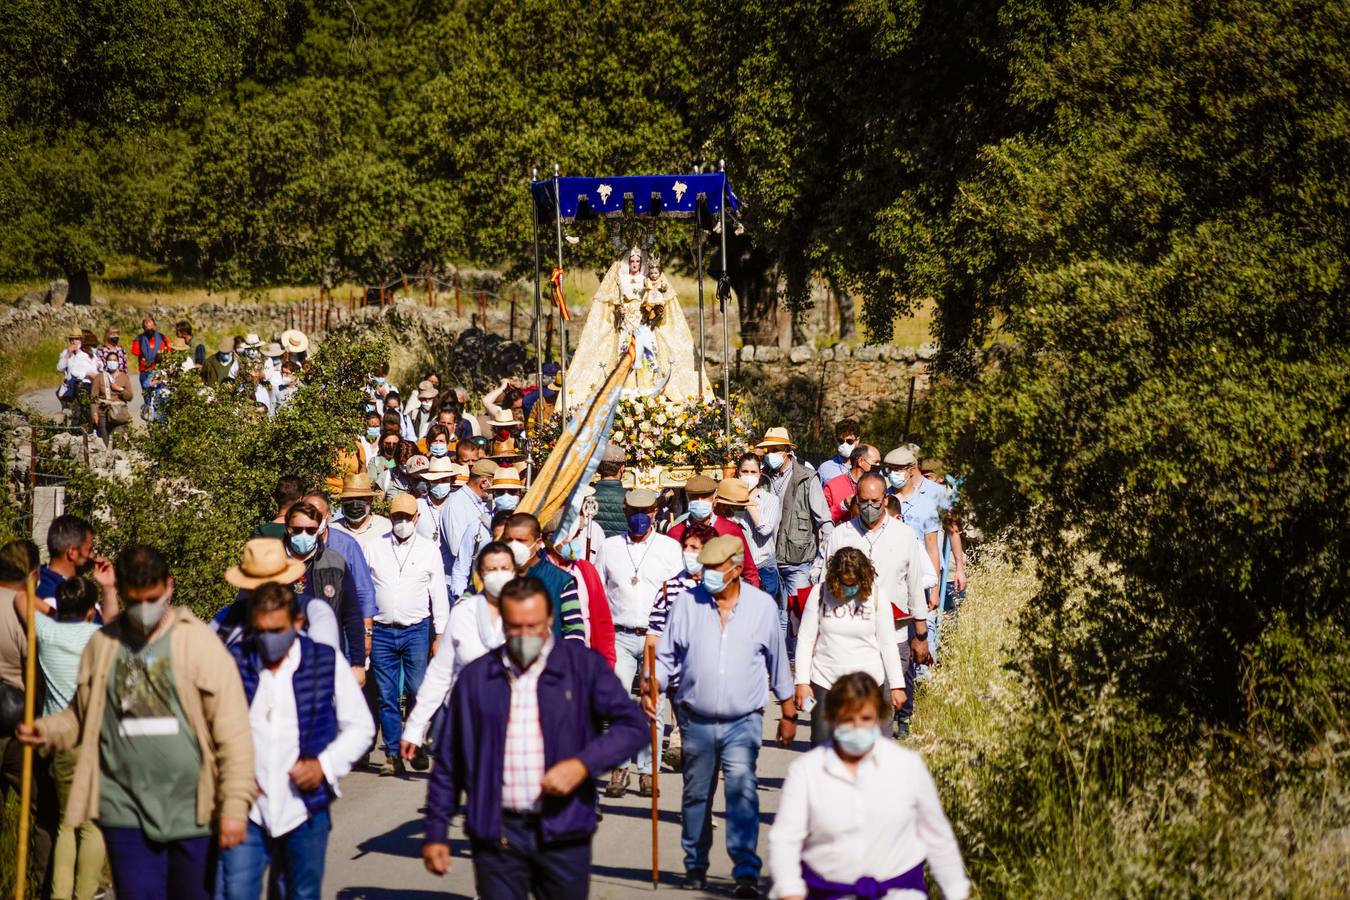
(406, 603)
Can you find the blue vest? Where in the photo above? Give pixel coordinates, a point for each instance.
(315, 706)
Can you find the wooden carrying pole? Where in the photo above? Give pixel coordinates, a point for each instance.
(650, 670)
(26, 776)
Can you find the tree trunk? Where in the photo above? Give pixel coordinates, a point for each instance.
(848, 326)
(81, 291)
(754, 276)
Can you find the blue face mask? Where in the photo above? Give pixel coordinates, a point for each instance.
(691, 563)
(856, 740)
(850, 591)
(440, 448)
(372, 434)
(273, 646)
(440, 490)
(774, 461)
(506, 502)
(303, 543)
(897, 479)
(714, 581)
(700, 509)
(639, 523)
(573, 550)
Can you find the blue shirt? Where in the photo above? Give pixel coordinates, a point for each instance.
(921, 510)
(724, 673)
(832, 467)
(463, 512)
(358, 583)
(47, 583)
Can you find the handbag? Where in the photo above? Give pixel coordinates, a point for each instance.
(11, 708)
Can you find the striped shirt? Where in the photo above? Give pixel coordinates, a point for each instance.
(60, 646)
(674, 587)
(523, 763)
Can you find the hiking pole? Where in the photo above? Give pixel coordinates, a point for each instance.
(26, 778)
(654, 693)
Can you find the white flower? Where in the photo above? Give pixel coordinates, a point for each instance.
(647, 444)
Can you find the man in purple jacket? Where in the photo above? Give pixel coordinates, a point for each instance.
(523, 739)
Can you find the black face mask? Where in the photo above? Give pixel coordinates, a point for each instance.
(355, 510)
(388, 451)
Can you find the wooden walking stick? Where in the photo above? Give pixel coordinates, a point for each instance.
(654, 692)
(26, 778)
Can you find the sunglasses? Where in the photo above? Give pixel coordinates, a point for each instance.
(307, 529)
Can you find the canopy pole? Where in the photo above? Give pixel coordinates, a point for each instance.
(702, 340)
(724, 296)
(538, 310)
(562, 320)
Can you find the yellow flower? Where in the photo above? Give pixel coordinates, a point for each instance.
(692, 445)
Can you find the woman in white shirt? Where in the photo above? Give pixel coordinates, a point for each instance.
(860, 816)
(759, 521)
(474, 628)
(845, 629)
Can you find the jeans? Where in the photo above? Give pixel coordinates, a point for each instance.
(298, 853)
(791, 578)
(906, 632)
(733, 747)
(398, 660)
(521, 864)
(77, 859)
(143, 869)
(628, 649)
(768, 578)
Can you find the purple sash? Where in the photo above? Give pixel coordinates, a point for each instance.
(866, 888)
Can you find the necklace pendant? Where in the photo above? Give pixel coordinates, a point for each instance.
(635, 580)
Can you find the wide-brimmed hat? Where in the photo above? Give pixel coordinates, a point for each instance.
(732, 492)
(426, 390)
(274, 350)
(502, 418)
(294, 341)
(507, 479)
(504, 449)
(356, 487)
(264, 560)
(251, 340)
(461, 473)
(776, 437)
(440, 469)
(417, 465)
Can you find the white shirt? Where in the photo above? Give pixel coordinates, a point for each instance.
(462, 644)
(897, 555)
(880, 824)
(77, 365)
(834, 640)
(279, 808)
(372, 530)
(409, 581)
(321, 624)
(653, 561)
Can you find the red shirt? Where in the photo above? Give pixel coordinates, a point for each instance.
(142, 347)
(722, 526)
(839, 490)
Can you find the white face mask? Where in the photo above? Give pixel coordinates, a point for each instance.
(751, 481)
(846, 449)
(521, 553)
(404, 528)
(493, 582)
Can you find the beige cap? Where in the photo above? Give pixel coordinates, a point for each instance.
(700, 485)
(900, 456)
(484, 467)
(426, 390)
(720, 549)
(639, 498)
(264, 560)
(404, 503)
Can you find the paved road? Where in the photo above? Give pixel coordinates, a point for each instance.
(374, 850)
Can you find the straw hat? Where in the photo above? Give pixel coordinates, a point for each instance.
(252, 341)
(504, 449)
(732, 492)
(294, 341)
(502, 418)
(776, 437)
(440, 469)
(507, 479)
(226, 345)
(426, 390)
(274, 350)
(356, 487)
(461, 472)
(264, 560)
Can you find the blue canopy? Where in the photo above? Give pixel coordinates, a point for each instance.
(650, 195)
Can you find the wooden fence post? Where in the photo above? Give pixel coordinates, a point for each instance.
(459, 309)
(511, 333)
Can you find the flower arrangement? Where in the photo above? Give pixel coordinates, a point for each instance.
(655, 431)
